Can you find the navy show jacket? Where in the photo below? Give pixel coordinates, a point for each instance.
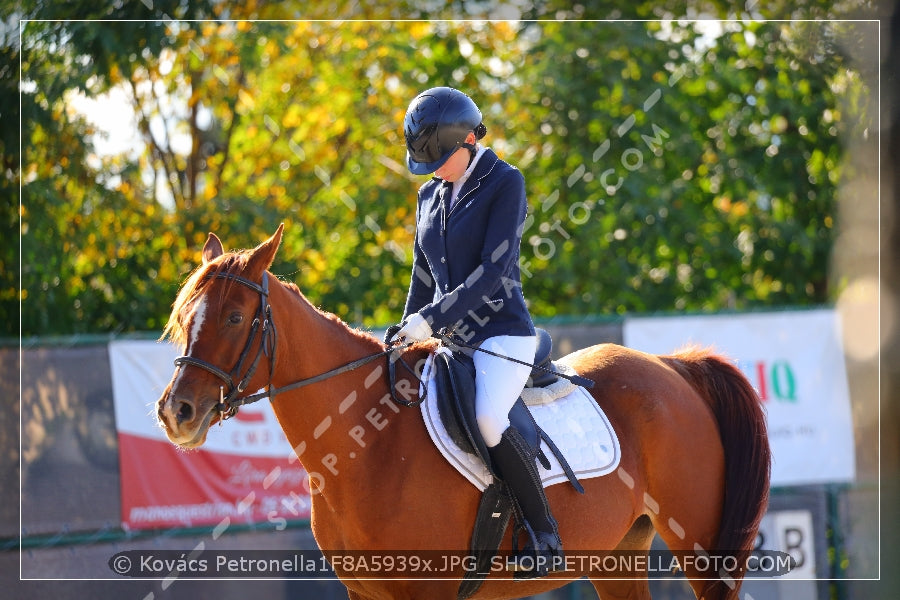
(466, 259)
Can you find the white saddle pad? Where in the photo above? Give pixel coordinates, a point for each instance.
(574, 422)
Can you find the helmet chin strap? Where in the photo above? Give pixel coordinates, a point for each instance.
(472, 152)
(479, 132)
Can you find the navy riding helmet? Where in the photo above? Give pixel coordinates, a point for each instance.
(436, 125)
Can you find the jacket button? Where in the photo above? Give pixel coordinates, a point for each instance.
(443, 259)
(446, 287)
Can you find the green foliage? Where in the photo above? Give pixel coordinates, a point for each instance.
(666, 168)
(687, 179)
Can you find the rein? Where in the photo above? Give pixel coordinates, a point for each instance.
(229, 404)
(453, 343)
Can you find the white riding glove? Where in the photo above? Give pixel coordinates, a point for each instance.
(415, 329)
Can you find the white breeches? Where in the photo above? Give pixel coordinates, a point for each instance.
(499, 382)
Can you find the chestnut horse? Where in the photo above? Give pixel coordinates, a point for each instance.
(694, 451)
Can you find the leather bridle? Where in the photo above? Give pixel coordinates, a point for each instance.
(264, 326)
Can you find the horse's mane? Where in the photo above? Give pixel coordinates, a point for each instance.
(201, 278)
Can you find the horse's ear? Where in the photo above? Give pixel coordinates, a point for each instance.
(212, 249)
(262, 256)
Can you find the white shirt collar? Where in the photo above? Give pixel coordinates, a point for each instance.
(479, 150)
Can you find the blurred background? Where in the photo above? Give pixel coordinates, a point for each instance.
(684, 157)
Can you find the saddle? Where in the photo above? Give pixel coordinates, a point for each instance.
(455, 379)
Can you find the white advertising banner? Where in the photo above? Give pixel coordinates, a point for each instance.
(794, 359)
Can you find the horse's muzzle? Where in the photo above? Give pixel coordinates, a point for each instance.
(182, 422)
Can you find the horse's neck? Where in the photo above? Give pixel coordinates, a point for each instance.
(311, 342)
(331, 424)
(358, 446)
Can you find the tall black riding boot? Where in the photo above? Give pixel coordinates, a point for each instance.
(515, 464)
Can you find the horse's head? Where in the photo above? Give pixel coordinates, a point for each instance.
(221, 320)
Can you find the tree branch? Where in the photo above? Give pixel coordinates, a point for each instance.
(156, 150)
(241, 79)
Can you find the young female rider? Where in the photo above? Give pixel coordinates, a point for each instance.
(469, 221)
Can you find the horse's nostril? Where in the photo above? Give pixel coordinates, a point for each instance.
(185, 412)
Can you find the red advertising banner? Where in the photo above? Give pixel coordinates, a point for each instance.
(246, 471)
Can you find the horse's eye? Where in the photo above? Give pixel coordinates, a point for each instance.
(235, 318)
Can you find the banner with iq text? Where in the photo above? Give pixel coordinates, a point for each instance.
(795, 361)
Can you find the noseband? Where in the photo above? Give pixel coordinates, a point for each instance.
(264, 326)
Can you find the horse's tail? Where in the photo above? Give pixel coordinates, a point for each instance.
(742, 429)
